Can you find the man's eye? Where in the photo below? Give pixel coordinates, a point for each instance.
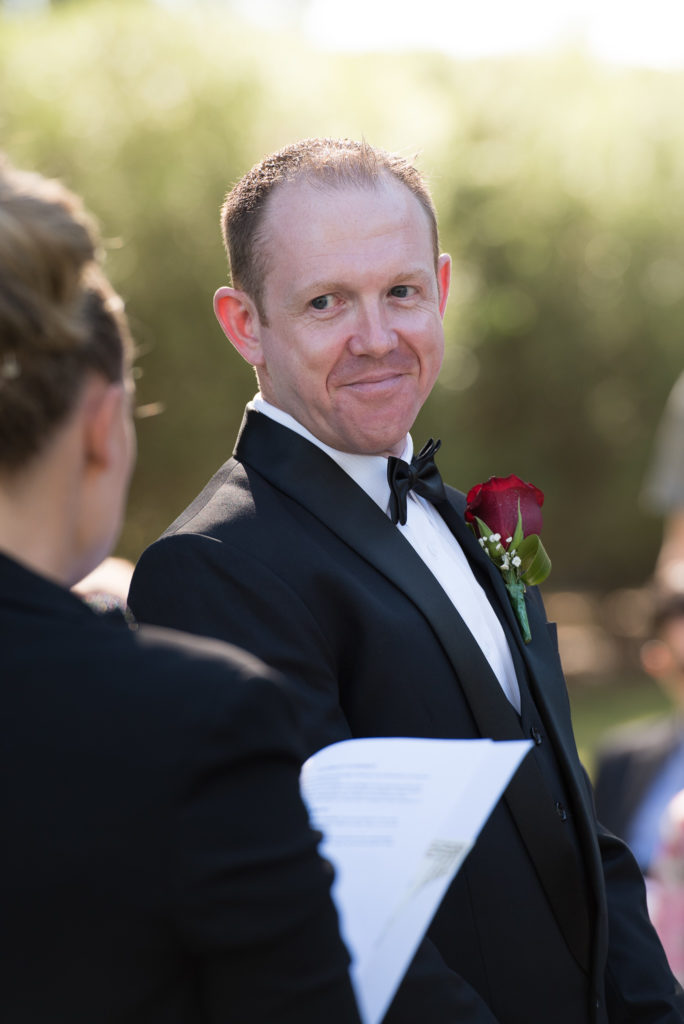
(322, 302)
(401, 291)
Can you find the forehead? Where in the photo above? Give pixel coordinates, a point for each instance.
(307, 223)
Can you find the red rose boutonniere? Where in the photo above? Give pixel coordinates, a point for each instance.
(505, 515)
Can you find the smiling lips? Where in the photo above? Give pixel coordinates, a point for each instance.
(381, 376)
(374, 382)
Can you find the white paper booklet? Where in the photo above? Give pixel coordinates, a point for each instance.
(398, 817)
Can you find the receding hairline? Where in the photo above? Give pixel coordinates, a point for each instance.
(324, 164)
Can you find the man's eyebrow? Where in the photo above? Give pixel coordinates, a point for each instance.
(420, 272)
(326, 285)
(320, 287)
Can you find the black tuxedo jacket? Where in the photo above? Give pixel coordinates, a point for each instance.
(628, 763)
(285, 555)
(156, 862)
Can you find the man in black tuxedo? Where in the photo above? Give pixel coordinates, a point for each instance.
(397, 628)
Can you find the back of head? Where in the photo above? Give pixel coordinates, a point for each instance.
(662, 655)
(59, 316)
(322, 162)
(668, 608)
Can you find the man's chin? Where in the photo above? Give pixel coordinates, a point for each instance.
(382, 443)
(371, 431)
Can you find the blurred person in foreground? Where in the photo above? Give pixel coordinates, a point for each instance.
(640, 766)
(312, 547)
(156, 862)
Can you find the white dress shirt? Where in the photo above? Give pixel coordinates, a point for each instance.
(432, 540)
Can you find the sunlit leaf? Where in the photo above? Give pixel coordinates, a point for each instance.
(535, 563)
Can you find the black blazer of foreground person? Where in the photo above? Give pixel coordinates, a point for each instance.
(156, 863)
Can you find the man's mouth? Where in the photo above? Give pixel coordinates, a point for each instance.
(376, 380)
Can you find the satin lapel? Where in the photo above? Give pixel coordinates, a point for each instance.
(538, 662)
(489, 577)
(539, 659)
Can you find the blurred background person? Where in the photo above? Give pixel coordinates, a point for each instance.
(156, 864)
(666, 885)
(664, 489)
(640, 766)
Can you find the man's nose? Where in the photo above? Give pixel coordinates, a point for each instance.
(373, 333)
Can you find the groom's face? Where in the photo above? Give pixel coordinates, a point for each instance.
(353, 340)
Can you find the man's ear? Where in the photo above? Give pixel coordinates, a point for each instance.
(443, 280)
(239, 320)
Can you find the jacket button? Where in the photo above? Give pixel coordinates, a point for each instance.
(536, 735)
(560, 811)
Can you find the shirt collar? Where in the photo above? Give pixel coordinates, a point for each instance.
(368, 471)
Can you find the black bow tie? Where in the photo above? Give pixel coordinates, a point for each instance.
(422, 476)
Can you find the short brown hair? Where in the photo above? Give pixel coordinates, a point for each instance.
(59, 316)
(328, 162)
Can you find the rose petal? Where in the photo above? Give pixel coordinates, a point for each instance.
(496, 503)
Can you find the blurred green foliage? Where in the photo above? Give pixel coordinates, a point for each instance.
(559, 187)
